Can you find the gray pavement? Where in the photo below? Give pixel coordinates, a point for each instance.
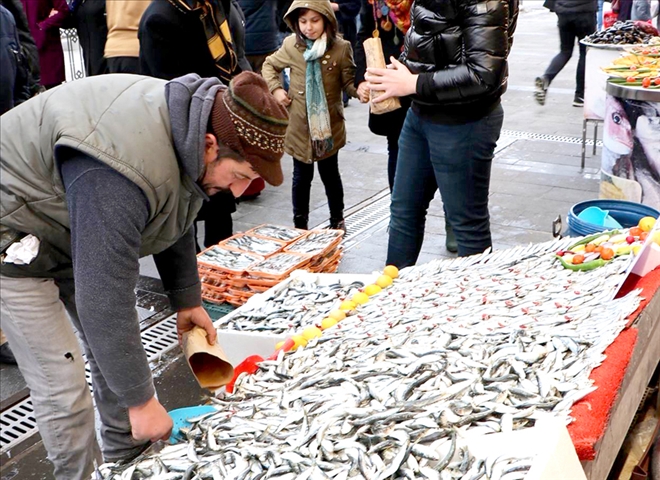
(533, 181)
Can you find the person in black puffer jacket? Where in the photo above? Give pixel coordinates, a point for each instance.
(576, 19)
(454, 64)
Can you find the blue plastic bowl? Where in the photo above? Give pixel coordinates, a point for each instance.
(628, 214)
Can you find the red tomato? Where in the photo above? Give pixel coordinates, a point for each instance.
(657, 81)
(590, 247)
(578, 259)
(631, 79)
(646, 83)
(635, 231)
(630, 239)
(643, 235)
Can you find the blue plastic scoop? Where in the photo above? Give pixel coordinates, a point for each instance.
(180, 418)
(598, 216)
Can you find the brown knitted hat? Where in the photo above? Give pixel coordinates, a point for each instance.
(247, 118)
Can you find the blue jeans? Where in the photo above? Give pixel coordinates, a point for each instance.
(454, 158)
(599, 16)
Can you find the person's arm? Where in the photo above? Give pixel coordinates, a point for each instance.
(162, 51)
(273, 67)
(237, 25)
(177, 267)
(58, 18)
(107, 215)
(486, 43)
(348, 71)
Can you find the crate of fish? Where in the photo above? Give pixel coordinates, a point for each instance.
(214, 294)
(223, 260)
(316, 242)
(318, 263)
(277, 232)
(248, 243)
(278, 266)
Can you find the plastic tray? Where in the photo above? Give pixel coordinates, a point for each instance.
(222, 269)
(260, 230)
(233, 243)
(334, 239)
(260, 270)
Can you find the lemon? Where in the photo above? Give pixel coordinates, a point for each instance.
(279, 345)
(298, 341)
(579, 248)
(384, 281)
(311, 332)
(647, 223)
(328, 322)
(372, 290)
(636, 249)
(391, 271)
(338, 315)
(347, 305)
(360, 298)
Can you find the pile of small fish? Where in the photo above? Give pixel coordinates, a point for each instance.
(301, 303)
(453, 349)
(229, 259)
(253, 244)
(278, 264)
(315, 242)
(277, 232)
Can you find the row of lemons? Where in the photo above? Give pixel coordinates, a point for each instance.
(390, 272)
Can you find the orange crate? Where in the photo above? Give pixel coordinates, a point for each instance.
(332, 240)
(287, 234)
(238, 241)
(292, 262)
(249, 259)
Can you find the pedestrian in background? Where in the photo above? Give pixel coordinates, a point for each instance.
(206, 37)
(45, 18)
(92, 28)
(28, 49)
(346, 12)
(261, 30)
(576, 19)
(122, 47)
(322, 67)
(454, 62)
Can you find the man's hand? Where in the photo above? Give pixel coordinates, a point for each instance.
(187, 318)
(394, 81)
(282, 97)
(150, 421)
(363, 92)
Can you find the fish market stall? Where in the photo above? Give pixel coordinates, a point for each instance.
(631, 140)
(408, 373)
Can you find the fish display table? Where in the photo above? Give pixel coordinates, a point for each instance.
(603, 418)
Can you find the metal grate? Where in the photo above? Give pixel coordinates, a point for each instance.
(549, 138)
(18, 423)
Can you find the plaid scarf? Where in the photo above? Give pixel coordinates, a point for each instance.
(318, 115)
(218, 35)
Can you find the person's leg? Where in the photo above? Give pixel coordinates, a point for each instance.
(414, 187)
(584, 25)
(303, 174)
(118, 443)
(334, 190)
(566, 43)
(462, 158)
(123, 65)
(599, 15)
(257, 61)
(49, 357)
(92, 31)
(392, 155)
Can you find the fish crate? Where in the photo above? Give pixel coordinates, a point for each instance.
(277, 232)
(221, 267)
(316, 243)
(289, 262)
(255, 244)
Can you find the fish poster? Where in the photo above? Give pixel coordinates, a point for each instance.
(630, 168)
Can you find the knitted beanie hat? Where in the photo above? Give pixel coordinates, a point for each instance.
(247, 118)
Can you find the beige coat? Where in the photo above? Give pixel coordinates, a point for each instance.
(123, 18)
(338, 74)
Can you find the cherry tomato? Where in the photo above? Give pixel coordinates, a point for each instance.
(560, 253)
(599, 249)
(631, 79)
(630, 239)
(633, 67)
(578, 259)
(590, 247)
(646, 83)
(607, 254)
(643, 235)
(657, 81)
(646, 52)
(635, 231)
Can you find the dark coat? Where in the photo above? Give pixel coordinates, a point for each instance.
(261, 25)
(346, 15)
(576, 6)
(9, 60)
(45, 30)
(28, 47)
(173, 42)
(460, 50)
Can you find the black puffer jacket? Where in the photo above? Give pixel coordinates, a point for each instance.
(576, 6)
(460, 49)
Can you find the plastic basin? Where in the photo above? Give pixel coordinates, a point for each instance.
(628, 214)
